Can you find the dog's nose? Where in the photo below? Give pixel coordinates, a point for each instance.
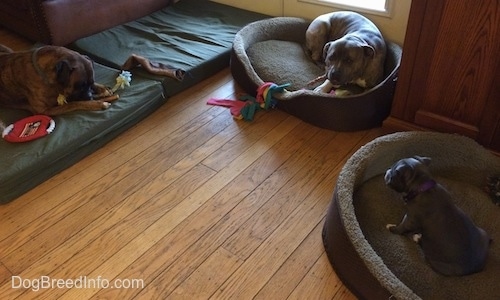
(334, 76)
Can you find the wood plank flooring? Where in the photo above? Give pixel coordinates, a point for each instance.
(188, 204)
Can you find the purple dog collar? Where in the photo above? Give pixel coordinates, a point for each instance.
(424, 187)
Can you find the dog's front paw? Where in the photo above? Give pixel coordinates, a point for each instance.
(101, 91)
(105, 105)
(325, 87)
(317, 89)
(106, 102)
(390, 227)
(103, 94)
(417, 237)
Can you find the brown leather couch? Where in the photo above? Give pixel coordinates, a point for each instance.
(60, 22)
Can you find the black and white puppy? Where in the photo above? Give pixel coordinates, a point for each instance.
(450, 241)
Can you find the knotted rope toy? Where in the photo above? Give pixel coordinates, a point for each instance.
(493, 188)
(245, 107)
(123, 80)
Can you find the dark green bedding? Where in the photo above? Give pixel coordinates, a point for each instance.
(193, 35)
(25, 165)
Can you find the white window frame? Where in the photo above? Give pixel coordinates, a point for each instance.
(387, 12)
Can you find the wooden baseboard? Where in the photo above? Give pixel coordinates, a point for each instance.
(392, 124)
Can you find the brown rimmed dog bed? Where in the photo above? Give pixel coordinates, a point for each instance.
(376, 264)
(271, 50)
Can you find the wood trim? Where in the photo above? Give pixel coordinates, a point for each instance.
(392, 124)
(415, 19)
(418, 47)
(432, 120)
(491, 115)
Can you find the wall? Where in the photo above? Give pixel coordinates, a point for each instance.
(393, 28)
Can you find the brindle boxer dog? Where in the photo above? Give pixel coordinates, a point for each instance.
(50, 80)
(451, 242)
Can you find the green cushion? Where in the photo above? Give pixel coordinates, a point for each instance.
(193, 35)
(77, 134)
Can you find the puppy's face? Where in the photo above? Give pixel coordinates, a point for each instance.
(75, 75)
(346, 59)
(407, 174)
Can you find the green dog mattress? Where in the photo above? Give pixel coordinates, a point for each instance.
(193, 35)
(77, 134)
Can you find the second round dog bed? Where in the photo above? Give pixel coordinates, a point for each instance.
(271, 50)
(376, 264)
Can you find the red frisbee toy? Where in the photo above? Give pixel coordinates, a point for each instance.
(29, 129)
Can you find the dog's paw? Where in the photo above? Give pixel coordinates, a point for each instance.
(390, 226)
(101, 91)
(325, 87)
(318, 89)
(103, 94)
(417, 237)
(106, 105)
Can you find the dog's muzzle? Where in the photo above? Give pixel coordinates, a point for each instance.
(84, 94)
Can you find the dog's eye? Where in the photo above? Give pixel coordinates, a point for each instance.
(333, 56)
(348, 61)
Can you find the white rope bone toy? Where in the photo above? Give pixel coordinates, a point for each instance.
(122, 81)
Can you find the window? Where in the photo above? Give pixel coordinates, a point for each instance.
(380, 7)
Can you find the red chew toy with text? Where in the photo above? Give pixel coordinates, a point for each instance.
(29, 129)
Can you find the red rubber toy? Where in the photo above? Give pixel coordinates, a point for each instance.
(29, 129)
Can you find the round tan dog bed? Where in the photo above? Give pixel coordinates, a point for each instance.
(271, 50)
(376, 264)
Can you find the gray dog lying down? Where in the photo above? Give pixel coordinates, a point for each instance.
(450, 241)
(351, 48)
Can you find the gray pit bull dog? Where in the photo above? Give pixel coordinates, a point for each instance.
(450, 241)
(351, 47)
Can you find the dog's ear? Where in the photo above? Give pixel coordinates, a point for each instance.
(423, 159)
(63, 72)
(369, 50)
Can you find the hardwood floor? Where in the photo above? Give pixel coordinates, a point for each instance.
(188, 204)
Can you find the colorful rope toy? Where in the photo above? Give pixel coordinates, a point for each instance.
(247, 106)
